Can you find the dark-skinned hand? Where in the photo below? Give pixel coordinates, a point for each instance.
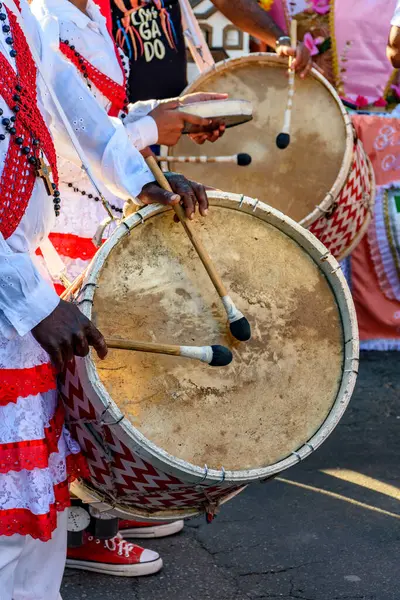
(171, 122)
(66, 333)
(189, 193)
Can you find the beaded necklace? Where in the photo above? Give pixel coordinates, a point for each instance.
(30, 140)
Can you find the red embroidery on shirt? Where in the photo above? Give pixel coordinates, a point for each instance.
(20, 383)
(19, 176)
(113, 91)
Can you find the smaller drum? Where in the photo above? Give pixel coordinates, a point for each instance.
(323, 180)
(167, 437)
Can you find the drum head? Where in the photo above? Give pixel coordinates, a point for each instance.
(230, 112)
(297, 179)
(281, 385)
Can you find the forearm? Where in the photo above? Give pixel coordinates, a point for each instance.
(393, 47)
(393, 55)
(106, 143)
(249, 16)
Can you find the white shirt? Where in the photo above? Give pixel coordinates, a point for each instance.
(90, 36)
(396, 17)
(25, 297)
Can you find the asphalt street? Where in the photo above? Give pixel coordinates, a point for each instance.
(328, 529)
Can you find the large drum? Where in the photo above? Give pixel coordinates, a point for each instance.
(323, 179)
(168, 437)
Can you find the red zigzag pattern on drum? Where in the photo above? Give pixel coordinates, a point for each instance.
(74, 396)
(339, 231)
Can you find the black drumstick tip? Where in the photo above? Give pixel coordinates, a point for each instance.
(241, 329)
(243, 159)
(221, 356)
(283, 141)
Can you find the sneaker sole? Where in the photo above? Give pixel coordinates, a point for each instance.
(138, 570)
(158, 531)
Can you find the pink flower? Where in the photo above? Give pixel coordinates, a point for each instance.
(310, 44)
(380, 102)
(361, 102)
(396, 89)
(320, 6)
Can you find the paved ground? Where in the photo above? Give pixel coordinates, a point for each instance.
(281, 540)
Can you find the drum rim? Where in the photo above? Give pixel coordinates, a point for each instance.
(89, 495)
(330, 197)
(148, 450)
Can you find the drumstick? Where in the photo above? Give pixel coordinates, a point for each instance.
(283, 139)
(216, 356)
(239, 325)
(242, 159)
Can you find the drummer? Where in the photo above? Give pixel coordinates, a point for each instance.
(86, 43)
(158, 64)
(393, 47)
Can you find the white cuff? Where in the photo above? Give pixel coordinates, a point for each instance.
(143, 132)
(138, 110)
(35, 307)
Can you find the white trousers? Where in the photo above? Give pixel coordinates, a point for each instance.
(31, 569)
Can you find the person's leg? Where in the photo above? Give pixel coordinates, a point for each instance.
(11, 549)
(41, 566)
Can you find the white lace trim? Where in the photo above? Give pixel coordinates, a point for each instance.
(21, 353)
(81, 215)
(34, 490)
(27, 418)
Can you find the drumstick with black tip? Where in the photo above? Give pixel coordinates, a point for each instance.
(238, 324)
(283, 139)
(242, 159)
(215, 356)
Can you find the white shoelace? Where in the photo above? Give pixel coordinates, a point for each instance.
(119, 545)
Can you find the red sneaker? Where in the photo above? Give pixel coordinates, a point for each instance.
(114, 557)
(137, 529)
